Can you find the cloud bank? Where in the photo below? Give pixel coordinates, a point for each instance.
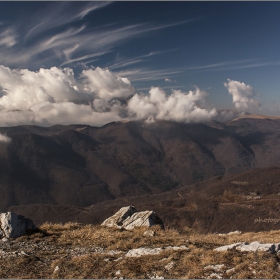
(96, 97)
(243, 96)
(179, 106)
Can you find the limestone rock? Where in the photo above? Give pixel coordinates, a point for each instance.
(117, 219)
(252, 247)
(231, 246)
(144, 218)
(13, 225)
(215, 276)
(149, 233)
(128, 218)
(216, 268)
(152, 251)
(234, 232)
(257, 246)
(230, 233)
(169, 265)
(143, 251)
(154, 276)
(230, 271)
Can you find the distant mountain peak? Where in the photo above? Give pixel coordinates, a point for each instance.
(256, 116)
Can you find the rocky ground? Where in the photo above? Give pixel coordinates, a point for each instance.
(86, 251)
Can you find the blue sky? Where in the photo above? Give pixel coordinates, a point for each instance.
(171, 45)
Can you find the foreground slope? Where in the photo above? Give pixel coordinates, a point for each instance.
(76, 251)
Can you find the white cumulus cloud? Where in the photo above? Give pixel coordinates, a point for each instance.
(106, 84)
(243, 96)
(56, 96)
(179, 106)
(95, 97)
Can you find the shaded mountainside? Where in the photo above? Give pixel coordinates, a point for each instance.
(80, 165)
(220, 204)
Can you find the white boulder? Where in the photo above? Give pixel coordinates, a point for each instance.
(143, 251)
(234, 232)
(13, 225)
(216, 268)
(231, 246)
(152, 251)
(117, 219)
(140, 219)
(252, 247)
(149, 233)
(128, 218)
(257, 246)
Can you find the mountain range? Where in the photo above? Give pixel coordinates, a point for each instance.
(82, 169)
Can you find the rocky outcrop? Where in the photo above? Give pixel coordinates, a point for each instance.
(13, 225)
(252, 247)
(128, 218)
(118, 218)
(142, 219)
(139, 252)
(230, 233)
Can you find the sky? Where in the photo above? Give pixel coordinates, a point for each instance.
(97, 62)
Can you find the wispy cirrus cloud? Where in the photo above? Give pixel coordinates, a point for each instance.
(143, 74)
(65, 36)
(121, 62)
(234, 65)
(60, 15)
(7, 38)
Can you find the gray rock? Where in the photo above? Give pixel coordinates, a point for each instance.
(252, 247)
(215, 276)
(169, 265)
(152, 251)
(117, 219)
(234, 232)
(143, 251)
(128, 218)
(13, 225)
(139, 219)
(231, 246)
(216, 268)
(1, 232)
(154, 276)
(230, 271)
(257, 246)
(230, 233)
(149, 233)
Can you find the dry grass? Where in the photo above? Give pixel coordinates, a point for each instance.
(272, 236)
(113, 239)
(184, 264)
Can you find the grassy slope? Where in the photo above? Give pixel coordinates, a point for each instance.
(66, 251)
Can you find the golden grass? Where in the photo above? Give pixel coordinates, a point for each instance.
(186, 263)
(113, 239)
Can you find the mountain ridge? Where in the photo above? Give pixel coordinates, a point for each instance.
(80, 165)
